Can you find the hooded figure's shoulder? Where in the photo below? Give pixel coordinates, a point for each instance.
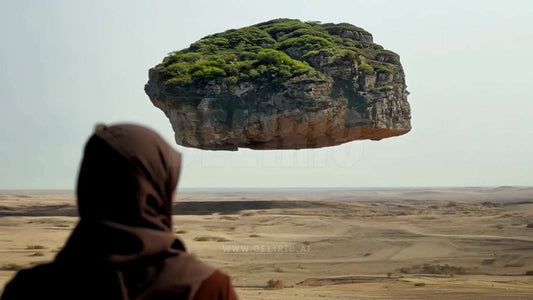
(47, 280)
(212, 282)
(33, 282)
(216, 286)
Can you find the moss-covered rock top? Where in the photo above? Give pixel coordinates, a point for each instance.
(277, 51)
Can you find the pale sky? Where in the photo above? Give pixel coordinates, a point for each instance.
(67, 65)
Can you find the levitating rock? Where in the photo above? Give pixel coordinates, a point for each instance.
(282, 84)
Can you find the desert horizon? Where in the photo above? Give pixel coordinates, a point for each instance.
(399, 243)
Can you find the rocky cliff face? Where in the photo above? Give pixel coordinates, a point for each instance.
(346, 89)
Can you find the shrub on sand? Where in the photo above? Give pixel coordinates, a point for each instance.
(274, 284)
(517, 264)
(35, 247)
(433, 269)
(210, 238)
(11, 267)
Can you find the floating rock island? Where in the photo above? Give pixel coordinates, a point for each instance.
(282, 84)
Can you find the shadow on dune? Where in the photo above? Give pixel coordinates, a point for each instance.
(235, 207)
(40, 211)
(180, 208)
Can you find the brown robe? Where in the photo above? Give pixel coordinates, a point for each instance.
(123, 246)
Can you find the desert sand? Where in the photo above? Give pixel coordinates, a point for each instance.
(467, 243)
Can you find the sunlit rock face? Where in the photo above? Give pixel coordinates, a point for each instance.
(282, 84)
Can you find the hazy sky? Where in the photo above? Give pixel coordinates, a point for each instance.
(67, 65)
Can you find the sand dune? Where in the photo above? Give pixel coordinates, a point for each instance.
(392, 244)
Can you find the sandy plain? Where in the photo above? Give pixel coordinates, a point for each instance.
(463, 243)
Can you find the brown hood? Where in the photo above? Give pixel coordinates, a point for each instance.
(124, 236)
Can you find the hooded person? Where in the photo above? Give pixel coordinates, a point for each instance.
(123, 246)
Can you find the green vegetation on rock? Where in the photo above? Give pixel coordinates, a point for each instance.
(366, 69)
(382, 69)
(273, 52)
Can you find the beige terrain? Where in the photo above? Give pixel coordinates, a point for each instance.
(467, 243)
